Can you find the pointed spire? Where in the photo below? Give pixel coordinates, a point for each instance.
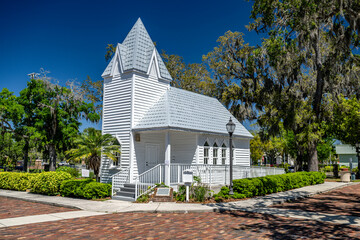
(136, 52)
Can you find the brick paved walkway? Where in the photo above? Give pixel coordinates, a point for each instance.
(205, 225)
(10, 208)
(344, 201)
(228, 225)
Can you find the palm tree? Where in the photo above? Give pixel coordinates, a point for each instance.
(90, 145)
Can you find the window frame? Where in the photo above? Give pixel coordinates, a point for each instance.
(215, 152)
(206, 150)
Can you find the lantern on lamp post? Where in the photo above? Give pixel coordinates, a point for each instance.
(230, 127)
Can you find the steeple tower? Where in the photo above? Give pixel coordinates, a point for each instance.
(137, 52)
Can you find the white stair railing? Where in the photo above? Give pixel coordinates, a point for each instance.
(146, 181)
(119, 179)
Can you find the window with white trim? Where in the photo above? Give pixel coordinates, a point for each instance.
(215, 154)
(206, 152)
(223, 154)
(116, 163)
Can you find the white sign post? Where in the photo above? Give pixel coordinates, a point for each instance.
(187, 179)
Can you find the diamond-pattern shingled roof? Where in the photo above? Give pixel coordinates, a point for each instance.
(136, 51)
(180, 109)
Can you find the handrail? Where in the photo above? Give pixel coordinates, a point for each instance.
(122, 170)
(147, 180)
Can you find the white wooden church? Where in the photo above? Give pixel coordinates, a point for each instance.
(162, 130)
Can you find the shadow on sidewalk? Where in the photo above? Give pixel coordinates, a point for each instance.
(288, 228)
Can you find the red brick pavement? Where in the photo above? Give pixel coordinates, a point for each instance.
(343, 201)
(10, 208)
(227, 225)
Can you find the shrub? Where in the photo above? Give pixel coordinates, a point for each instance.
(16, 181)
(85, 188)
(198, 191)
(250, 187)
(285, 166)
(180, 195)
(95, 190)
(73, 188)
(73, 171)
(48, 182)
(45, 183)
(329, 168)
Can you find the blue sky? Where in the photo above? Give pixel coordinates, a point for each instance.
(68, 38)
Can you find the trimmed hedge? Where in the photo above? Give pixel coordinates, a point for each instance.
(251, 187)
(45, 183)
(49, 182)
(16, 180)
(85, 188)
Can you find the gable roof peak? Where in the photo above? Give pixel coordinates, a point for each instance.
(136, 52)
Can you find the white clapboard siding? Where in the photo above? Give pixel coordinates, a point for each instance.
(157, 138)
(242, 152)
(183, 147)
(117, 119)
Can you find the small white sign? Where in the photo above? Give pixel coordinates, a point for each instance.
(187, 176)
(85, 173)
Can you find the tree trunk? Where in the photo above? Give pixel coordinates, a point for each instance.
(26, 155)
(52, 156)
(313, 163)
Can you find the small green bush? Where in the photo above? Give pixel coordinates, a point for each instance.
(85, 188)
(95, 190)
(180, 195)
(285, 166)
(73, 171)
(49, 182)
(251, 187)
(329, 168)
(74, 187)
(198, 191)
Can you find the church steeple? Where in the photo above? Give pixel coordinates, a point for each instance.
(137, 52)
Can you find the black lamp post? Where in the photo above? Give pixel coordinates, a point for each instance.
(230, 127)
(358, 157)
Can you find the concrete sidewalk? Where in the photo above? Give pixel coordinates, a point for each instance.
(115, 206)
(258, 204)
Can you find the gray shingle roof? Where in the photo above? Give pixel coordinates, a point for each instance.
(180, 109)
(136, 51)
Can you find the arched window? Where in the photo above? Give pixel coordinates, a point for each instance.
(215, 154)
(206, 153)
(223, 154)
